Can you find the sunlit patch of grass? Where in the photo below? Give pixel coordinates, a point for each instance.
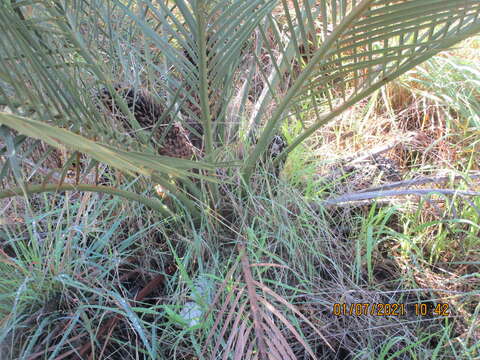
(301, 163)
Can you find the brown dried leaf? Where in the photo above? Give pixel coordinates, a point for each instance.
(294, 309)
(242, 340)
(289, 326)
(253, 298)
(234, 332)
(277, 334)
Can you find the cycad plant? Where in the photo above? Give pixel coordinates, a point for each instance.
(235, 68)
(227, 72)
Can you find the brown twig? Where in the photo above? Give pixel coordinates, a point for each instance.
(352, 197)
(367, 155)
(420, 181)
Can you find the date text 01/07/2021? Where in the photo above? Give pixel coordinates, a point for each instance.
(394, 309)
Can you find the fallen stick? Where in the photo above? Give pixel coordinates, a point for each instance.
(420, 181)
(367, 155)
(352, 197)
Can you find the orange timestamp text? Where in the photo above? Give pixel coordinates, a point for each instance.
(394, 309)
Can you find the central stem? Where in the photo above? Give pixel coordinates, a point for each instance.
(203, 76)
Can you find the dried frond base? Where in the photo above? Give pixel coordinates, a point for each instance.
(174, 139)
